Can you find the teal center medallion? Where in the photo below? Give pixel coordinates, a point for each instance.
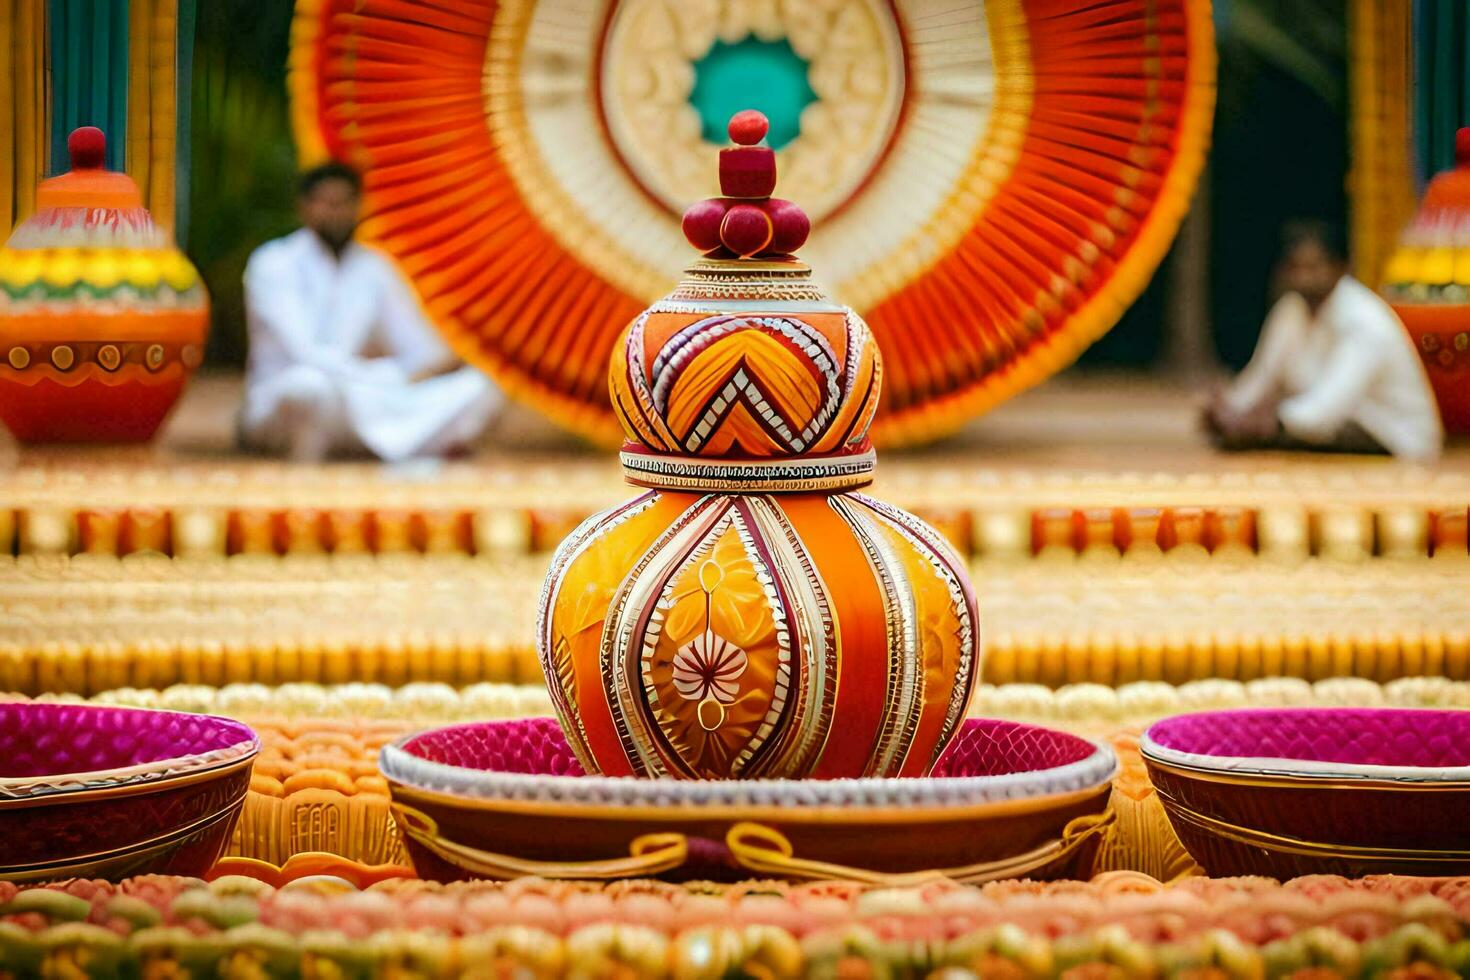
(752, 74)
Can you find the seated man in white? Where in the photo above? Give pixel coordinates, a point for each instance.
(1334, 369)
(341, 358)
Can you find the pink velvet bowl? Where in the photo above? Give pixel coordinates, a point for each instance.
(1292, 791)
(101, 792)
(514, 789)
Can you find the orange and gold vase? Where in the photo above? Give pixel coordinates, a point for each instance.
(1428, 284)
(102, 318)
(752, 615)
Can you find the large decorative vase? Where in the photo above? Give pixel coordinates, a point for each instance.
(102, 318)
(751, 615)
(1428, 283)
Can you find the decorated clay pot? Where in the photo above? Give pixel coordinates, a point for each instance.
(752, 615)
(88, 791)
(1441, 334)
(102, 318)
(1285, 792)
(1428, 284)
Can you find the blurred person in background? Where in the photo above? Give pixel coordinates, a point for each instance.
(342, 360)
(1334, 369)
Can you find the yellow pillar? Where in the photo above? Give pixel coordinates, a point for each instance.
(153, 78)
(1380, 177)
(24, 119)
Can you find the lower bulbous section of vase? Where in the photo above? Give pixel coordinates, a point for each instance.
(712, 636)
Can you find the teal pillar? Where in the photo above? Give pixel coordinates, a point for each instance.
(89, 74)
(1441, 81)
(752, 74)
(183, 104)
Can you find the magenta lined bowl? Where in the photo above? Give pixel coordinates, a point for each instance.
(495, 798)
(89, 791)
(1292, 791)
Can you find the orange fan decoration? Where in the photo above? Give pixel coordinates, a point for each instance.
(990, 184)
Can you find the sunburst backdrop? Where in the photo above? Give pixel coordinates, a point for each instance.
(992, 183)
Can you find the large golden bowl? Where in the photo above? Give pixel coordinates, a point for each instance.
(506, 799)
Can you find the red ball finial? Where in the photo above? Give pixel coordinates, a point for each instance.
(748, 127)
(702, 224)
(747, 221)
(87, 146)
(1462, 146)
(746, 229)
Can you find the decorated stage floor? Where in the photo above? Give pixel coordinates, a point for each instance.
(1106, 542)
(1124, 572)
(1100, 422)
(1084, 465)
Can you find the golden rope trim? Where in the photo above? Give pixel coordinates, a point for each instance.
(754, 847)
(764, 850)
(648, 855)
(1315, 849)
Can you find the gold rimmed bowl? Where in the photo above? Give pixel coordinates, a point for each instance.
(1284, 792)
(505, 799)
(103, 792)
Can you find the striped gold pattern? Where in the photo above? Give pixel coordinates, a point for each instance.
(153, 104)
(1381, 175)
(88, 624)
(24, 109)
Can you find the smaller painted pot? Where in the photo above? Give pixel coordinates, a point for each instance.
(1426, 283)
(508, 799)
(1298, 791)
(101, 792)
(1441, 335)
(102, 318)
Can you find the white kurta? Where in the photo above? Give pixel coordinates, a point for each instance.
(1352, 362)
(335, 344)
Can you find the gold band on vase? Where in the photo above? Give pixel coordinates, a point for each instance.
(807, 475)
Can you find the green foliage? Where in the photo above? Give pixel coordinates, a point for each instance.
(244, 162)
(1442, 88)
(1303, 40)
